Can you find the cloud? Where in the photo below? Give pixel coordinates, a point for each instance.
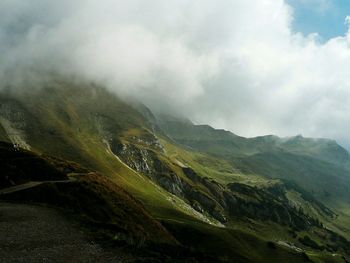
(233, 64)
(347, 20)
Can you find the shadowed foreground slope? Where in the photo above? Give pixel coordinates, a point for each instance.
(31, 233)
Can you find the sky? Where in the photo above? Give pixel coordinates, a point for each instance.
(254, 67)
(326, 17)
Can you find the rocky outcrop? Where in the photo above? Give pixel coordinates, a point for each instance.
(136, 158)
(13, 121)
(214, 188)
(220, 201)
(147, 162)
(241, 200)
(266, 204)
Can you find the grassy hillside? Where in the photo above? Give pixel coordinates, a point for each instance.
(208, 189)
(324, 180)
(68, 185)
(224, 143)
(109, 213)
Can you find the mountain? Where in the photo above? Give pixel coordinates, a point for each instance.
(321, 166)
(220, 142)
(165, 186)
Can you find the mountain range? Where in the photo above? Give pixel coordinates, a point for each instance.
(167, 190)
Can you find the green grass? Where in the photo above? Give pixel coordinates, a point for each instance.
(203, 164)
(3, 135)
(326, 181)
(230, 244)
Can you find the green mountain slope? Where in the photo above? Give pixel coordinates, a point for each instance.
(199, 182)
(318, 165)
(26, 176)
(107, 212)
(324, 180)
(220, 142)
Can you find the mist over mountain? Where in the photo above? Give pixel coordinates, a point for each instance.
(173, 131)
(237, 65)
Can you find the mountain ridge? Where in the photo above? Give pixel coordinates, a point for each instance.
(201, 180)
(248, 146)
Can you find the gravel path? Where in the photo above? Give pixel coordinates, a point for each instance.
(30, 233)
(19, 187)
(28, 185)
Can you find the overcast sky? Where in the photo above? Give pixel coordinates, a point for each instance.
(244, 65)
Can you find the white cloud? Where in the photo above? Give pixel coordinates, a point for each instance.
(347, 20)
(235, 64)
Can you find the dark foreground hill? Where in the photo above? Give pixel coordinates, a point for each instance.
(32, 233)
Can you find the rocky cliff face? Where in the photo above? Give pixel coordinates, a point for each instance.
(208, 196)
(13, 122)
(266, 204)
(148, 162)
